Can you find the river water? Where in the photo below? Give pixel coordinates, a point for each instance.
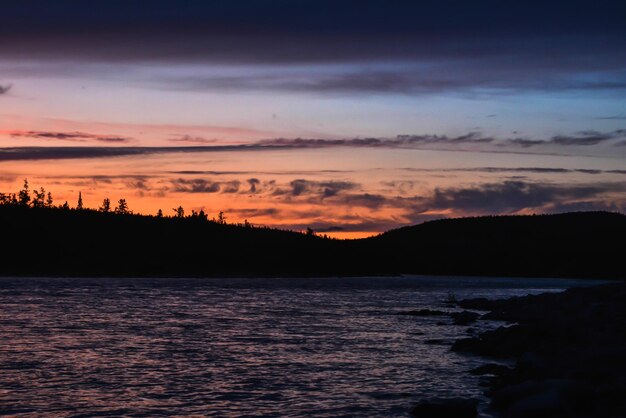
(331, 347)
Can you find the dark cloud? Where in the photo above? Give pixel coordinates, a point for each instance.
(231, 186)
(322, 189)
(195, 186)
(254, 183)
(59, 153)
(524, 142)
(506, 197)
(70, 136)
(459, 45)
(398, 142)
(198, 185)
(585, 206)
(5, 88)
(513, 196)
(367, 200)
(138, 183)
(582, 138)
(253, 212)
(587, 138)
(471, 141)
(402, 186)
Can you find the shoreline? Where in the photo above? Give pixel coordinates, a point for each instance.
(568, 351)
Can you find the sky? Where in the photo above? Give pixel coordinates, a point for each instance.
(349, 117)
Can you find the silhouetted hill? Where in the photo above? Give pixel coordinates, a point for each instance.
(52, 241)
(582, 244)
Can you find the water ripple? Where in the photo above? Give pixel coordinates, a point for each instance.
(230, 348)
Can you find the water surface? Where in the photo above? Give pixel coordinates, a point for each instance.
(331, 347)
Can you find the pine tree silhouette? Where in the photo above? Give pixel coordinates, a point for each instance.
(122, 207)
(106, 205)
(179, 212)
(24, 194)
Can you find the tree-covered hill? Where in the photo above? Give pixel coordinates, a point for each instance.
(42, 239)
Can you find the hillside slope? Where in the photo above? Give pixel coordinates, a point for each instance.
(45, 241)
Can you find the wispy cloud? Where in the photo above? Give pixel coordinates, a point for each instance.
(70, 136)
(198, 185)
(534, 170)
(4, 88)
(398, 142)
(193, 140)
(300, 187)
(586, 138)
(472, 141)
(613, 117)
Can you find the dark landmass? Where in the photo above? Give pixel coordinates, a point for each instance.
(51, 241)
(569, 353)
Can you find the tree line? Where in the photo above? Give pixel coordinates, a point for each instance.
(39, 198)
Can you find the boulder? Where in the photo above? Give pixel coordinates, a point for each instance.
(464, 318)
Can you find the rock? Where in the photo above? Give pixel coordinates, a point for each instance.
(495, 369)
(464, 318)
(435, 341)
(423, 312)
(551, 397)
(569, 350)
(445, 408)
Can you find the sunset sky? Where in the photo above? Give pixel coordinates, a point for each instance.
(351, 117)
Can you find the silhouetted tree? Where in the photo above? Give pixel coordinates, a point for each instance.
(247, 224)
(79, 205)
(159, 213)
(39, 200)
(122, 207)
(221, 218)
(106, 205)
(49, 200)
(309, 231)
(179, 212)
(201, 215)
(65, 206)
(24, 194)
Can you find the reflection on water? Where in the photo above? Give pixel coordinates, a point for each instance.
(232, 347)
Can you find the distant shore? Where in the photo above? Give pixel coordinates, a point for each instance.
(59, 241)
(568, 349)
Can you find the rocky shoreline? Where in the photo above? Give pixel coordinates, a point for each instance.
(568, 352)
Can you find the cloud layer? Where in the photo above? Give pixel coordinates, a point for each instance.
(471, 141)
(349, 46)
